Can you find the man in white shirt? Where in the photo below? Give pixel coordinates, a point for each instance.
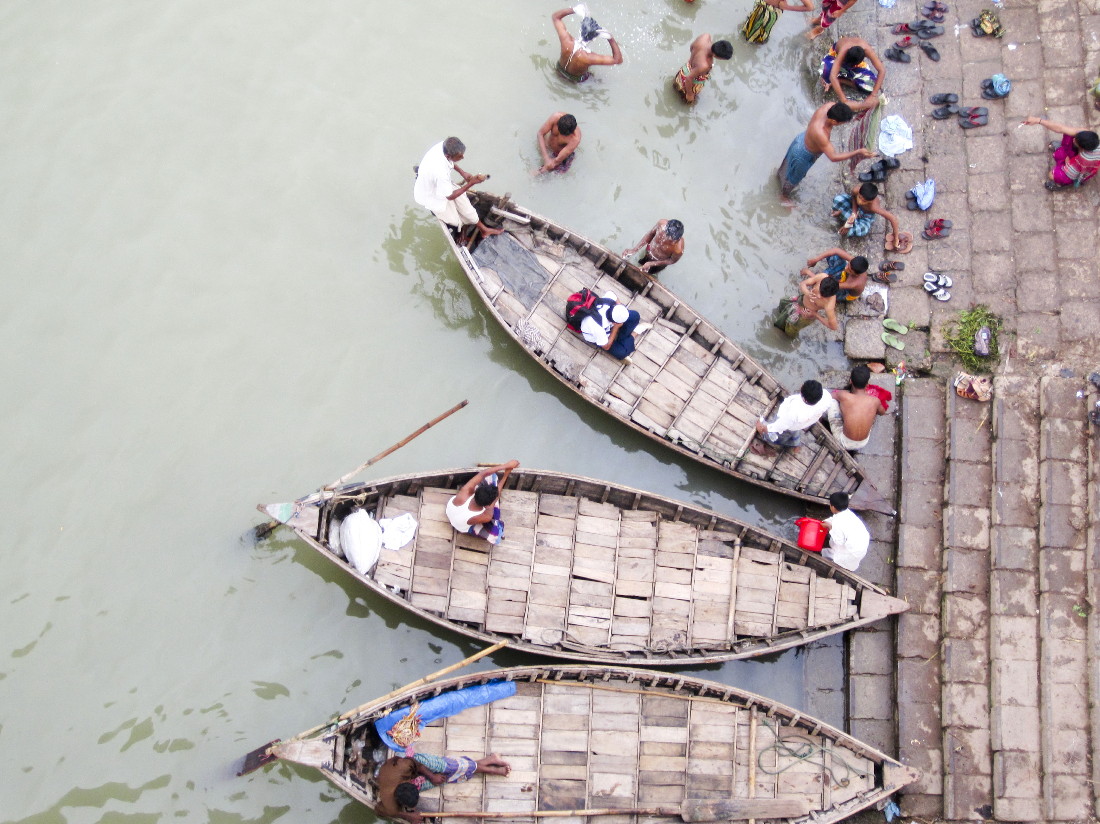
(796, 414)
(435, 188)
(848, 535)
(611, 327)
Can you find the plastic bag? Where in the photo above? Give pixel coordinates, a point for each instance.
(445, 705)
(973, 387)
(361, 540)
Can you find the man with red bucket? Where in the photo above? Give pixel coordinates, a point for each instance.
(848, 536)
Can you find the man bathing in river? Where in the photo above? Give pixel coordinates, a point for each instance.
(400, 779)
(664, 245)
(689, 81)
(855, 411)
(576, 59)
(812, 144)
(558, 139)
(435, 190)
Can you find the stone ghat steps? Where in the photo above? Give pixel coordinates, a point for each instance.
(995, 668)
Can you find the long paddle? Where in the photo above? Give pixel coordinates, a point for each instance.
(263, 755)
(692, 811)
(265, 529)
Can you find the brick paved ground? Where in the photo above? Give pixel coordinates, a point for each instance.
(994, 693)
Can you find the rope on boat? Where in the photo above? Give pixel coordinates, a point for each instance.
(800, 749)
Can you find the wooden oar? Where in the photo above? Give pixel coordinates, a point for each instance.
(265, 755)
(395, 447)
(693, 811)
(263, 530)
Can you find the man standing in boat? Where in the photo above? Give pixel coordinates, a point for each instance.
(795, 415)
(664, 245)
(474, 509)
(558, 139)
(400, 779)
(435, 188)
(576, 59)
(848, 535)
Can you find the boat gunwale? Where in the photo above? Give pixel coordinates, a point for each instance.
(750, 647)
(659, 684)
(852, 468)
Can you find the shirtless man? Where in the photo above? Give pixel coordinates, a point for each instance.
(816, 301)
(689, 81)
(576, 59)
(811, 144)
(849, 270)
(854, 412)
(400, 779)
(664, 245)
(846, 64)
(558, 138)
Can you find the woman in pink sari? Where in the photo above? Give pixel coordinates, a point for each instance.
(1076, 158)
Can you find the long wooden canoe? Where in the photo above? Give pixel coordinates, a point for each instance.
(581, 740)
(688, 387)
(596, 572)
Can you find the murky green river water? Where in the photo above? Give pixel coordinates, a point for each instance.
(221, 293)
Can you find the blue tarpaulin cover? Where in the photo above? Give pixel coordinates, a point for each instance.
(445, 705)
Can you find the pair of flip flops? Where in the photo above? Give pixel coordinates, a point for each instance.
(996, 87)
(936, 284)
(971, 117)
(987, 23)
(886, 269)
(948, 105)
(934, 11)
(905, 243)
(876, 173)
(923, 29)
(911, 202)
(937, 229)
(891, 340)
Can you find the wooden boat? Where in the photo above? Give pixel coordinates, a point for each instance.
(637, 744)
(688, 387)
(595, 572)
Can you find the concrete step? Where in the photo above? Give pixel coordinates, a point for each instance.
(1092, 566)
(920, 535)
(1063, 601)
(1014, 619)
(968, 758)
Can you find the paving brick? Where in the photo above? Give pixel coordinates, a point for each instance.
(922, 461)
(1018, 809)
(871, 696)
(921, 503)
(1062, 440)
(1065, 751)
(926, 805)
(919, 682)
(1017, 775)
(967, 527)
(920, 588)
(1078, 320)
(1062, 655)
(964, 615)
(1065, 706)
(1062, 570)
(871, 653)
(1014, 637)
(1068, 797)
(966, 750)
(1014, 727)
(919, 548)
(1015, 683)
(1063, 526)
(1059, 618)
(1058, 398)
(919, 724)
(1075, 239)
(1077, 280)
(1015, 505)
(1014, 592)
(967, 441)
(964, 794)
(965, 704)
(1014, 547)
(967, 572)
(863, 339)
(1063, 482)
(918, 635)
(880, 734)
(966, 660)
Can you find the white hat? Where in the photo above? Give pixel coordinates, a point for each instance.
(619, 313)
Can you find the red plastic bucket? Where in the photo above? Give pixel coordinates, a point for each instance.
(811, 534)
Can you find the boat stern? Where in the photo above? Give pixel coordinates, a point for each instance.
(300, 515)
(875, 605)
